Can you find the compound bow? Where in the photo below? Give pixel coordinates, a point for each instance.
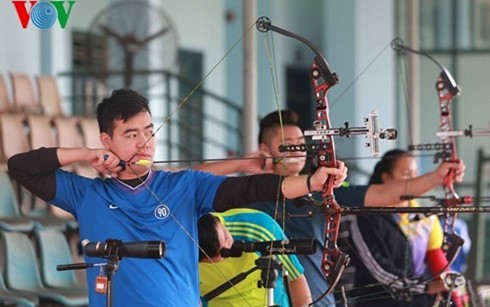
(323, 79)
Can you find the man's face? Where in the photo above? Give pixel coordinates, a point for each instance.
(290, 163)
(132, 138)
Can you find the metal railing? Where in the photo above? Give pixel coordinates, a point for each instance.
(205, 126)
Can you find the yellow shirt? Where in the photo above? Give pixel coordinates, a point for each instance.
(218, 273)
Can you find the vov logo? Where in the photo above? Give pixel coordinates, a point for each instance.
(43, 14)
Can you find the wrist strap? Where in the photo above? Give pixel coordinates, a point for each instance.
(308, 184)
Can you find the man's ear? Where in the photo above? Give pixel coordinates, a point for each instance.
(105, 139)
(264, 147)
(385, 177)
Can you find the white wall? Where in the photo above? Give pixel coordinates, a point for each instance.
(200, 26)
(355, 34)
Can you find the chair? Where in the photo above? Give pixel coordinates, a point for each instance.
(67, 132)
(53, 250)
(41, 134)
(13, 136)
(69, 135)
(16, 298)
(14, 140)
(41, 131)
(89, 128)
(90, 132)
(49, 95)
(23, 94)
(10, 217)
(13, 125)
(5, 105)
(22, 272)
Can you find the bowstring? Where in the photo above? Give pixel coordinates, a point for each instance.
(166, 120)
(358, 76)
(404, 82)
(271, 60)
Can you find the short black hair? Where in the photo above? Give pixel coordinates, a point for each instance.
(121, 105)
(386, 165)
(208, 236)
(272, 121)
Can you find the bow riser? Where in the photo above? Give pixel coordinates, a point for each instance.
(332, 264)
(326, 155)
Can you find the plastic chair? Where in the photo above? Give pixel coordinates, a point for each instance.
(90, 132)
(90, 136)
(41, 131)
(5, 105)
(18, 298)
(53, 250)
(22, 273)
(69, 135)
(12, 124)
(41, 134)
(23, 94)
(67, 132)
(10, 217)
(49, 95)
(13, 136)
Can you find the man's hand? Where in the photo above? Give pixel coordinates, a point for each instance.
(319, 178)
(257, 162)
(104, 161)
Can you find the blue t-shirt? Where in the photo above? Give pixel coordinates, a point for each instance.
(297, 225)
(111, 209)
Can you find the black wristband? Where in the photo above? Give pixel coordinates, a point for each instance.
(308, 183)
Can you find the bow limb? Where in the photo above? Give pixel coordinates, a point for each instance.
(447, 89)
